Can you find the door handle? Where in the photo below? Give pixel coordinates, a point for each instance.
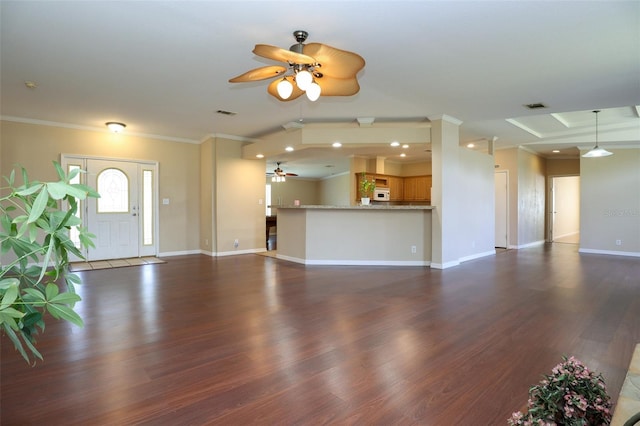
(135, 214)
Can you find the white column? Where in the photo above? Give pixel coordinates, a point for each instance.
(446, 191)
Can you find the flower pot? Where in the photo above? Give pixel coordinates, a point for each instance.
(365, 201)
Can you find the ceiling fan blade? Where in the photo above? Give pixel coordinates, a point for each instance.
(272, 89)
(261, 73)
(283, 55)
(291, 174)
(338, 86)
(335, 62)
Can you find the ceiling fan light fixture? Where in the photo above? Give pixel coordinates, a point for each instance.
(313, 91)
(285, 88)
(596, 151)
(304, 79)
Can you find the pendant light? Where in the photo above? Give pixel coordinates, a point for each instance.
(597, 151)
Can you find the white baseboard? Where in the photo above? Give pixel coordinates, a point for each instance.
(609, 252)
(445, 265)
(477, 256)
(348, 262)
(235, 252)
(179, 253)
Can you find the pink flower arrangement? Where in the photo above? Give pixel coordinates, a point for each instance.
(571, 396)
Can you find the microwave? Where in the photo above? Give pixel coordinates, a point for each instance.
(381, 194)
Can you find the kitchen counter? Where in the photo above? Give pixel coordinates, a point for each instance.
(369, 207)
(355, 235)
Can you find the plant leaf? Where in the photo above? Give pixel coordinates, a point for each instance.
(30, 189)
(65, 313)
(39, 205)
(10, 296)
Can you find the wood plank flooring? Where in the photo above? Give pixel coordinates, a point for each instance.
(254, 340)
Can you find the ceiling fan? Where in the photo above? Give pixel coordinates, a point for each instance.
(279, 175)
(316, 69)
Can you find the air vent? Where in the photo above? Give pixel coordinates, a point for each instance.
(535, 106)
(223, 112)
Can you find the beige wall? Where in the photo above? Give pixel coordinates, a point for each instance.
(207, 196)
(355, 236)
(527, 195)
(476, 232)
(610, 202)
(531, 198)
(285, 193)
(416, 169)
(563, 167)
(334, 190)
(239, 199)
(36, 146)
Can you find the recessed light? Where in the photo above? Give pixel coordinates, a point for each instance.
(289, 149)
(336, 144)
(259, 155)
(395, 143)
(471, 145)
(555, 151)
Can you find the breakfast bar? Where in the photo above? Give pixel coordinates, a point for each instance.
(355, 235)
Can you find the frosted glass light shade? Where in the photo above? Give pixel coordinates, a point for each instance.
(597, 152)
(304, 79)
(285, 88)
(115, 127)
(313, 92)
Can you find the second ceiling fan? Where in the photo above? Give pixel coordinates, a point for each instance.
(316, 69)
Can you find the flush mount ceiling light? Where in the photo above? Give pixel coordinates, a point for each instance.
(316, 69)
(597, 151)
(115, 127)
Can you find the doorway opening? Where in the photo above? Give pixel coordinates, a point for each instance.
(564, 209)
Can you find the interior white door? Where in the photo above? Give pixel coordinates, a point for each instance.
(113, 217)
(501, 197)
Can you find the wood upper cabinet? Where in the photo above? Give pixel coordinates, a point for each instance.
(417, 188)
(412, 188)
(396, 188)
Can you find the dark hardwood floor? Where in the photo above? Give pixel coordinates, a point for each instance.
(254, 340)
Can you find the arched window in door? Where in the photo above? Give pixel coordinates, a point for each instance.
(113, 187)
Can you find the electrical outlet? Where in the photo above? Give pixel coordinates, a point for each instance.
(206, 243)
(236, 243)
(414, 249)
(618, 242)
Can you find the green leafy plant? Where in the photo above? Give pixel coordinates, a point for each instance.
(34, 239)
(570, 396)
(366, 186)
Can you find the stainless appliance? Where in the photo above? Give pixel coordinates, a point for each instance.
(381, 194)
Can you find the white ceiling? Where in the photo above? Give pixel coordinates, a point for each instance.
(163, 68)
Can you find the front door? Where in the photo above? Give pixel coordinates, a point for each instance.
(114, 217)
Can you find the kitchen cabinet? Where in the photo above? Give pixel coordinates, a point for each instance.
(417, 188)
(411, 188)
(396, 188)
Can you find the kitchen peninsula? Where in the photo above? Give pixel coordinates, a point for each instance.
(355, 235)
